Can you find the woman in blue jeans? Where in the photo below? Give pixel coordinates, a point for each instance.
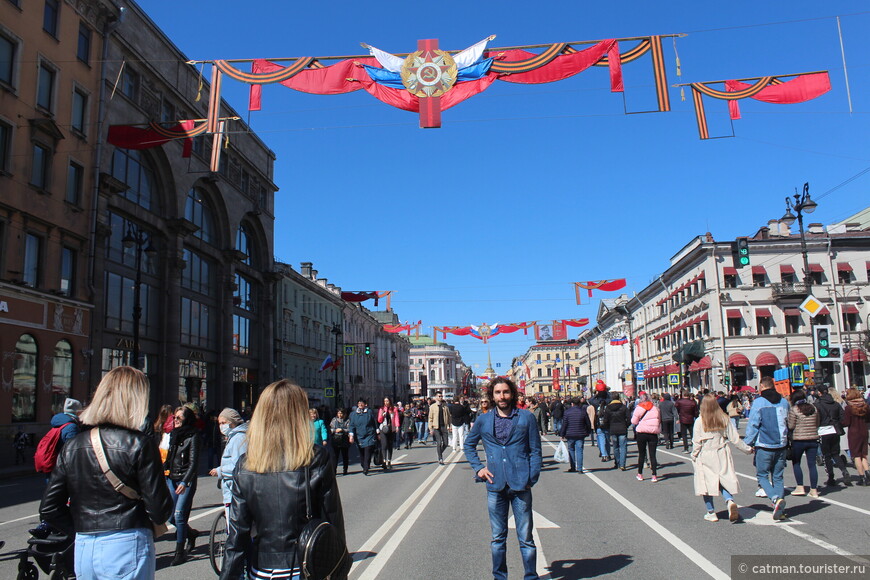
(803, 425)
(182, 462)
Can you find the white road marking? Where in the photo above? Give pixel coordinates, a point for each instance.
(380, 560)
(693, 555)
(541, 564)
(399, 459)
(540, 522)
(34, 517)
(374, 539)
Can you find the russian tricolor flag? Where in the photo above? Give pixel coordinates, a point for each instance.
(619, 341)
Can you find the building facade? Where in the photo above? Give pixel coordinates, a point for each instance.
(549, 369)
(436, 367)
(90, 231)
(743, 322)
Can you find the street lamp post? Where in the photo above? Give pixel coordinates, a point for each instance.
(623, 309)
(137, 238)
(801, 204)
(339, 402)
(395, 372)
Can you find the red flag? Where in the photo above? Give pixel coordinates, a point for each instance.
(556, 386)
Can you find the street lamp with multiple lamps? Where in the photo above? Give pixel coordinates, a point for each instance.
(139, 239)
(801, 204)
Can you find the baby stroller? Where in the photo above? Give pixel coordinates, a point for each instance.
(53, 555)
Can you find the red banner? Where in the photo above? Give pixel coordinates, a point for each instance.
(556, 385)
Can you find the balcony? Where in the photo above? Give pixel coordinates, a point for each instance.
(780, 290)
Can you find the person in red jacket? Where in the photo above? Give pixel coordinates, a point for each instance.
(388, 426)
(687, 410)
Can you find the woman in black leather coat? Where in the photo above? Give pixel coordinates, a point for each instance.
(114, 536)
(182, 462)
(269, 489)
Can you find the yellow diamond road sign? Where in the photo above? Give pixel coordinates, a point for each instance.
(811, 305)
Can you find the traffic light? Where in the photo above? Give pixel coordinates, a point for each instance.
(368, 349)
(822, 342)
(742, 252)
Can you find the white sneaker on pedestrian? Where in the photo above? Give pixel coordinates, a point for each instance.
(711, 517)
(779, 510)
(733, 511)
(639, 477)
(760, 492)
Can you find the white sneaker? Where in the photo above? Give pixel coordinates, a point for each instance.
(733, 511)
(711, 517)
(760, 492)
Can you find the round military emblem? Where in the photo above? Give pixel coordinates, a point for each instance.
(429, 73)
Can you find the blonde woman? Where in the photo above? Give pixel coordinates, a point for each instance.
(712, 459)
(113, 534)
(269, 488)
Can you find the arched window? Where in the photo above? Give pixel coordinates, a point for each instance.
(197, 211)
(130, 168)
(244, 244)
(24, 379)
(61, 375)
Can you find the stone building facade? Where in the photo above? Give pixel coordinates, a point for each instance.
(435, 367)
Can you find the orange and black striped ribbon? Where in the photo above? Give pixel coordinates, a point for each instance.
(171, 134)
(214, 101)
(530, 64)
(700, 117)
(265, 78)
(652, 44)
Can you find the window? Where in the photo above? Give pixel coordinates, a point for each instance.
(24, 379)
(540, 372)
(5, 145)
(8, 51)
(118, 253)
(196, 328)
(45, 87)
(241, 335)
(83, 52)
(196, 275)
(41, 163)
(67, 271)
(844, 276)
(788, 278)
(850, 321)
(792, 323)
(49, 17)
(735, 326)
(762, 324)
(32, 259)
(243, 244)
(61, 375)
(197, 211)
(74, 183)
(731, 280)
(119, 305)
(131, 168)
(759, 280)
(130, 83)
(243, 296)
(79, 111)
(817, 278)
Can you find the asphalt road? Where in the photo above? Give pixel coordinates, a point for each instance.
(425, 521)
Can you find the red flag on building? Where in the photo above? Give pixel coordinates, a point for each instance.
(556, 386)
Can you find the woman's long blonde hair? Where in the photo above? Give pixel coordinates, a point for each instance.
(712, 416)
(121, 399)
(279, 435)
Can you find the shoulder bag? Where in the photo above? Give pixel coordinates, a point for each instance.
(319, 550)
(117, 484)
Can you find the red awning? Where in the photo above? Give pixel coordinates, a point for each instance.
(758, 270)
(796, 356)
(792, 311)
(670, 369)
(693, 367)
(762, 313)
(729, 271)
(738, 360)
(850, 309)
(844, 267)
(705, 363)
(855, 355)
(816, 268)
(734, 313)
(823, 311)
(766, 359)
(703, 317)
(786, 269)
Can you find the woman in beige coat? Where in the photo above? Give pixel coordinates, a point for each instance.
(711, 456)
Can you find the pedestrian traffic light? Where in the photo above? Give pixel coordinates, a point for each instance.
(368, 349)
(742, 252)
(822, 342)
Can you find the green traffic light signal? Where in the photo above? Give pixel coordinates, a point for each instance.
(743, 251)
(368, 349)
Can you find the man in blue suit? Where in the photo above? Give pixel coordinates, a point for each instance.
(512, 445)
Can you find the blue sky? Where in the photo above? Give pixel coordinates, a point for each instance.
(528, 188)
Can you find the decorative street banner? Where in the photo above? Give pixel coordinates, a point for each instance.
(155, 135)
(558, 330)
(367, 295)
(605, 285)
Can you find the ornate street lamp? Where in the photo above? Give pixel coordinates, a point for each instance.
(801, 204)
(137, 238)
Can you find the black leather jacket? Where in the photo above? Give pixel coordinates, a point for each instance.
(95, 506)
(182, 461)
(275, 503)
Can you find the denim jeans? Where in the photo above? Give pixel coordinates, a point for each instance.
(575, 453)
(770, 464)
(603, 442)
(121, 554)
(708, 500)
(620, 448)
(183, 503)
(798, 448)
(521, 504)
(422, 431)
(557, 426)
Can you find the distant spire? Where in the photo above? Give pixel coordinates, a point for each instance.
(489, 372)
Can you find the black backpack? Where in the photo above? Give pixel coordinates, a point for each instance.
(320, 553)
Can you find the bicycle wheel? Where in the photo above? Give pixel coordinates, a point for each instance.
(216, 539)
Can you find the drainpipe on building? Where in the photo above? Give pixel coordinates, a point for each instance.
(722, 316)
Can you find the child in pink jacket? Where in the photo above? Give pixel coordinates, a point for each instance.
(647, 427)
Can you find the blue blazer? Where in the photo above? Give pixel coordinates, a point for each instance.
(517, 464)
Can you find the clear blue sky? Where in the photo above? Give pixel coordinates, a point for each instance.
(537, 186)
